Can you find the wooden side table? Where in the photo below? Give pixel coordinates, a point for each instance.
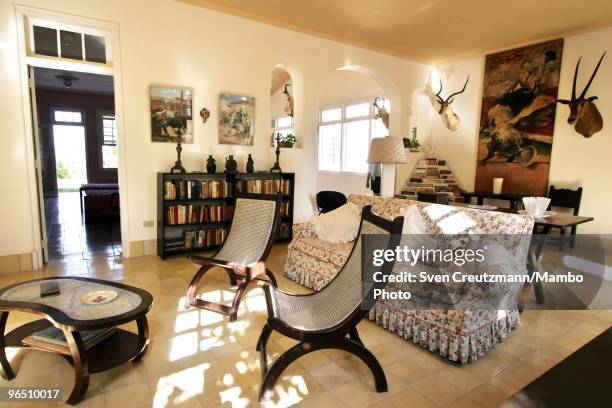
(67, 312)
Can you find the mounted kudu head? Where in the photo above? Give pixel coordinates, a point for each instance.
(381, 112)
(583, 113)
(450, 118)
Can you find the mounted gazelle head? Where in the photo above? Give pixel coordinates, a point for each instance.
(450, 118)
(583, 113)
(381, 112)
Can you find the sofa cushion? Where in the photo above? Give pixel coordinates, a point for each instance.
(338, 226)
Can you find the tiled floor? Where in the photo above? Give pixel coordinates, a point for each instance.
(199, 359)
(68, 237)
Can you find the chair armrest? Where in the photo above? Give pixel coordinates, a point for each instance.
(303, 230)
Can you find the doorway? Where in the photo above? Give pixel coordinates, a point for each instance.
(77, 133)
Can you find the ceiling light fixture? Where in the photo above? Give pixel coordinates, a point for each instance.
(66, 80)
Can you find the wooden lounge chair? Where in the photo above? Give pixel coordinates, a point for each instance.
(327, 319)
(248, 242)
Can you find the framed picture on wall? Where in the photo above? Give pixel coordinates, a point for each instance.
(518, 118)
(171, 114)
(236, 120)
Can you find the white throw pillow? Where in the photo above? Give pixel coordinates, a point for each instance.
(339, 225)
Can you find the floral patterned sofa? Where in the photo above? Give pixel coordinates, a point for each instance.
(459, 332)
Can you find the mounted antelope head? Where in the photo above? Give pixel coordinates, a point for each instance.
(381, 112)
(289, 106)
(583, 113)
(451, 120)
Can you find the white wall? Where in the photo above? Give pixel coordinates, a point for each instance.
(178, 44)
(575, 161)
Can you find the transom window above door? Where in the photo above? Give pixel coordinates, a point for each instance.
(66, 116)
(344, 136)
(64, 41)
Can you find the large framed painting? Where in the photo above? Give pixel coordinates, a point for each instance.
(236, 120)
(517, 118)
(171, 110)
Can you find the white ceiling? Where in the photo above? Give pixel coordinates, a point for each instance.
(429, 31)
(89, 83)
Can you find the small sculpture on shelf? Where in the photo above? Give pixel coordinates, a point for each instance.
(231, 166)
(250, 165)
(276, 167)
(211, 165)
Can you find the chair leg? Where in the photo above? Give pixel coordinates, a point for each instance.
(561, 239)
(354, 335)
(263, 338)
(271, 375)
(270, 276)
(232, 311)
(262, 343)
(367, 357)
(190, 297)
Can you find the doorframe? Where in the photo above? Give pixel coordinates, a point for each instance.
(114, 70)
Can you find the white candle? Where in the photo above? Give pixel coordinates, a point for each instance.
(497, 185)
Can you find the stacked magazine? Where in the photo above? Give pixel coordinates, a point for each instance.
(53, 335)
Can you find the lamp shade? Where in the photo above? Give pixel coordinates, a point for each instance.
(387, 149)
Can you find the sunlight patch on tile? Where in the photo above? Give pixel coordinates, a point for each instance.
(232, 396)
(184, 345)
(181, 386)
(186, 321)
(210, 343)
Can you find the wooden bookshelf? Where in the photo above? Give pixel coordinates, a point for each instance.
(194, 210)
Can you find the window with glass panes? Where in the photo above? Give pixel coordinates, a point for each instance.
(109, 141)
(345, 132)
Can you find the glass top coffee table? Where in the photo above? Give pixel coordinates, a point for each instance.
(74, 310)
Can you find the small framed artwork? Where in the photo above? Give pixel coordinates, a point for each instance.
(236, 120)
(171, 114)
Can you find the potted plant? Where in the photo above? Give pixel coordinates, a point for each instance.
(287, 140)
(413, 142)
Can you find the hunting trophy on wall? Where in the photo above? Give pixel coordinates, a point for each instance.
(289, 105)
(583, 113)
(451, 120)
(381, 112)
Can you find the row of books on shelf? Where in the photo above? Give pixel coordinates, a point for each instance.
(188, 189)
(192, 214)
(264, 186)
(197, 238)
(285, 208)
(284, 230)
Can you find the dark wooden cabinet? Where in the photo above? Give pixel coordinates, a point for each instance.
(194, 210)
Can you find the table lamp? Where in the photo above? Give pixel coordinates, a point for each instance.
(387, 150)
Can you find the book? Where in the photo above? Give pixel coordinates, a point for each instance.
(55, 336)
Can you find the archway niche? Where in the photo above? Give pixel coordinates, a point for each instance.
(283, 109)
(347, 124)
